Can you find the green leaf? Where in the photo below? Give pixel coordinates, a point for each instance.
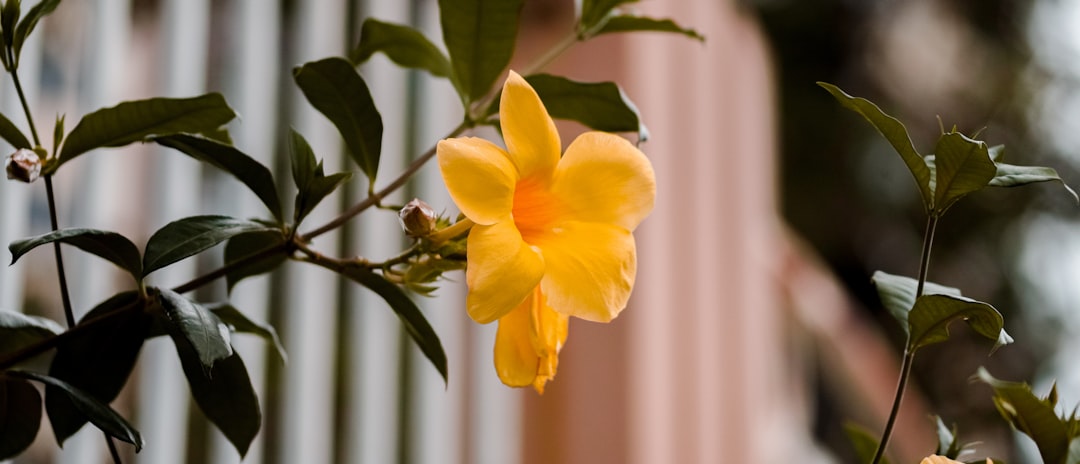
(9, 15)
(29, 22)
(245, 245)
(897, 294)
(189, 236)
(11, 134)
(962, 166)
(598, 105)
(224, 394)
(58, 130)
(864, 443)
(1030, 415)
(231, 160)
(18, 331)
(416, 325)
(894, 132)
(333, 87)
(630, 23)
(948, 443)
(930, 318)
(98, 412)
(138, 120)
(189, 322)
(1008, 175)
(311, 184)
(111, 246)
(403, 45)
(480, 36)
(97, 362)
(595, 12)
(20, 416)
(238, 322)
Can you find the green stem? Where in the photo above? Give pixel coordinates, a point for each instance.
(376, 197)
(22, 99)
(224, 270)
(444, 235)
(65, 296)
(909, 354)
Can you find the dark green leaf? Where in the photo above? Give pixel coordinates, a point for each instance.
(111, 246)
(138, 120)
(244, 245)
(1030, 415)
(962, 166)
(312, 186)
(333, 87)
(189, 322)
(12, 134)
(403, 45)
(1008, 175)
(224, 394)
(20, 416)
(97, 362)
(58, 130)
(630, 23)
(416, 325)
(930, 318)
(18, 331)
(480, 36)
(192, 235)
(863, 442)
(231, 160)
(238, 322)
(894, 132)
(595, 12)
(9, 16)
(98, 412)
(601, 105)
(897, 294)
(948, 443)
(26, 26)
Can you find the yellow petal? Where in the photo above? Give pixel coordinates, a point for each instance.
(529, 132)
(548, 333)
(479, 177)
(502, 270)
(935, 459)
(604, 178)
(515, 359)
(589, 269)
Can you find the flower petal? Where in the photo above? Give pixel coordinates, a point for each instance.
(502, 270)
(589, 269)
(935, 459)
(515, 359)
(548, 333)
(479, 177)
(528, 130)
(604, 178)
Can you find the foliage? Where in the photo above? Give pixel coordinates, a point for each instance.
(93, 357)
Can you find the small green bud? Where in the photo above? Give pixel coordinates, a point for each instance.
(417, 218)
(24, 165)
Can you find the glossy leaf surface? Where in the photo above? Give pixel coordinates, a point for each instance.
(238, 322)
(961, 166)
(1009, 175)
(111, 246)
(401, 44)
(333, 87)
(245, 245)
(480, 37)
(138, 120)
(96, 411)
(20, 415)
(224, 394)
(595, 12)
(189, 236)
(897, 294)
(929, 320)
(18, 331)
(190, 323)
(311, 184)
(12, 135)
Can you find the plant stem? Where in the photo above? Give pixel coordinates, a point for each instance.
(909, 354)
(112, 449)
(376, 197)
(204, 279)
(65, 296)
(905, 371)
(25, 106)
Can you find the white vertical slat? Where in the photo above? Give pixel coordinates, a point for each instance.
(163, 393)
(96, 187)
(253, 73)
(308, 391)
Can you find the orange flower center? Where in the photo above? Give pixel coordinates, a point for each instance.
(536, 211)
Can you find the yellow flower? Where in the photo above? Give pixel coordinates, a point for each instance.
(553, 234)
(935, 459)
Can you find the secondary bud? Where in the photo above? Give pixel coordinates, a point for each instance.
(417, 218)
(24, 165)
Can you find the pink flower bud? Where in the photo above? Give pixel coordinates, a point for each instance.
(24, 165)
(417, 218)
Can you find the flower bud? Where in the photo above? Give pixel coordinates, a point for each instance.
(24, 165)
(417, 218)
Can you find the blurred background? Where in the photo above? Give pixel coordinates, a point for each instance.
(754, 334)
